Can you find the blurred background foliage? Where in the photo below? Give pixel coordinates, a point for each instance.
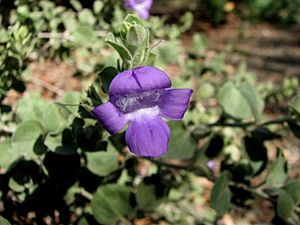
(59, 166)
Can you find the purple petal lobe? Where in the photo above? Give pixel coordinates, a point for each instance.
(140, 79)
(174, 102)
(141, 7)
(109, 116)
(148, 137)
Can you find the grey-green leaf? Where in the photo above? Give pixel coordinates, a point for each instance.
(7, 154)
(103, 163)
(220, 195)
(254, 99)
(55, 118)
(294, 104)
(285, 205)
(181, 143)
(233, 102)
(293, 188)
(145, 196)
(26, 136)
(111, 203)
(4, 221)
(123, 52)
(277, 173)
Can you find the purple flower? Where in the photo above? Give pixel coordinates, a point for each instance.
(141, 7)
(141, 96)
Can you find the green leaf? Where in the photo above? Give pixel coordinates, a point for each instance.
(199, 43)
(76, 4)
(206, 90)
(7, 154)
(106, 75)
(150, 61)
(294, 104)
(86, 17)
(217, 63)
(31, 108)
(71, 100)
(181, 143)
(168, 52)
(133, 19)
(141, 53)
(124, 30)
(220, 195)
(293, 188)
(111, 203)
(146, 197)
(233, 102)
(3, 221)
(25, 137)
(84, 35)
(123, 52)
(15, 186)
(98, 6)
(55, 118)
(62, 143)
(285, 205)
(277, 173)
(103, 163)
(254, 99)
(135, 37)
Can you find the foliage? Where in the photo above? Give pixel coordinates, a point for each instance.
(55, 157)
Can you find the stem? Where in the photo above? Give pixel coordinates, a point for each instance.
(219, 124)
(280, 120)
(257, 192)
(277, 121)
(65, 35)
(196, 171)
(45, 85)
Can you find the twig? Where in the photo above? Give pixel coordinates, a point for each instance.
(45, 85)
(65, 35)
(245, 125)
(277, 121)
(220, 124)
(255, 191)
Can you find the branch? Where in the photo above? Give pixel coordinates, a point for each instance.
(65, 35)
(280, 120)
(45, 85)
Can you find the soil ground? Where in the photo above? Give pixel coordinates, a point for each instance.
(271, 52)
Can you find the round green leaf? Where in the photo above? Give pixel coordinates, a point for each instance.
(103, 163)
(285, 205)
(277, 173)
(181, 144)
(31, 108)
(3, 221)
(25, 137)
(293, 188)
(111, 203)
(233, 102)
(206, 90)
(254, 99)
(7, 154)
(145, 196)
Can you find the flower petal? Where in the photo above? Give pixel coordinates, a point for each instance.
(174, 102)
(148, 137)
(111, 119)
(140, 79)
